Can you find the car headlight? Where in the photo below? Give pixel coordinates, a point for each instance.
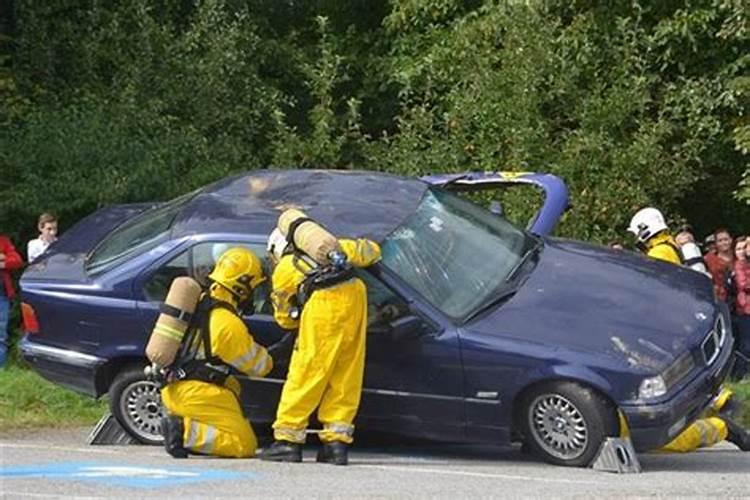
(652, 387)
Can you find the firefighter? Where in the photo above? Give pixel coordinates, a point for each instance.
(202, 397)
(327, 365)
(652, 236)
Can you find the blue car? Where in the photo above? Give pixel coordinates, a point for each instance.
(478, 331)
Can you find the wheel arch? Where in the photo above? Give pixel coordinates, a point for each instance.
(560, 373)
(106, 373)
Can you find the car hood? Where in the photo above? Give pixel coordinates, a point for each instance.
(615, 303)
(64, 260)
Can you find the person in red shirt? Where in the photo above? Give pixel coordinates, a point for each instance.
(741, 277)
(10, 260)
(721, 262)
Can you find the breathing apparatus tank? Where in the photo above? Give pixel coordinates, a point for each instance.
(693, 258)
(308, 236)
(171, 325)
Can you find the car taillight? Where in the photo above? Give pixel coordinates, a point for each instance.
(30, 323)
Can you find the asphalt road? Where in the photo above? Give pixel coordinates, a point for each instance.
(58, 464)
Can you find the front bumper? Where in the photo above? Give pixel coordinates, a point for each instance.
(72, 369)
(654, 425)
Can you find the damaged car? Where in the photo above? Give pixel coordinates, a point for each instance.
(478, 331)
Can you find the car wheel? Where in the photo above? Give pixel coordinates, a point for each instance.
(135, 403)
(565, 423)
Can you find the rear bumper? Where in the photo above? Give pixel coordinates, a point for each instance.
(653, 426)
(72, 369)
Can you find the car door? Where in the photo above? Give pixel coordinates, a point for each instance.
(197, 261)
(413, 376)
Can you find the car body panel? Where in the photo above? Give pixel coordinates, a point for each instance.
(556, 200)
(580, 312)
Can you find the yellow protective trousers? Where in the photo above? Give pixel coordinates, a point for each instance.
(700, 434)
(212, 419)
(327, 366)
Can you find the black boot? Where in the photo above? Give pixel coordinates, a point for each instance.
(334, 452)
(282, 451)
(737, 435)
(172, 429)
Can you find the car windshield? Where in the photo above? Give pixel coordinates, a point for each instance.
(454, 253)
(134, 237)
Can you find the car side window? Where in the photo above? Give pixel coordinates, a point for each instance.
(383, 305)
(198, 262)
(157, 286)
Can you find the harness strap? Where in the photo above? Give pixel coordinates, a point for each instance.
(212, 369)
(175, 312)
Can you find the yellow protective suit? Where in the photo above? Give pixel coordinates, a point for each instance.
(704, 432)
(327, 366)
(663, 247)
(212, 417)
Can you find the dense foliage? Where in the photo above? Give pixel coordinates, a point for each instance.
(632, 103)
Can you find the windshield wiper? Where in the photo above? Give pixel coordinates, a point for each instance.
(495, 300)
(524, 258)
(502, 294)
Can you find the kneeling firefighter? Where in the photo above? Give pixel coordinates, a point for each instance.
(716, 425)
(316, 290)
(201, 394)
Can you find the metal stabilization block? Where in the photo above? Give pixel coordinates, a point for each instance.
(109, 431)
(617, 455)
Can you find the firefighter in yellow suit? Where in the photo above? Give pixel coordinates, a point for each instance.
(652, 234)
(327, 365)
(205, 417)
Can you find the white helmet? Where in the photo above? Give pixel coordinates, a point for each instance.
(647, 223)
(277, 243)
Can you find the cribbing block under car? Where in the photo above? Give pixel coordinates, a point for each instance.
(109, 431)
(617, 455)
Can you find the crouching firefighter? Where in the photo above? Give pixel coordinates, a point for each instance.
(201, 395)
(329, 305)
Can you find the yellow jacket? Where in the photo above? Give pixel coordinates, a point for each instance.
(231, 341)
(663, 247)
(287, 277)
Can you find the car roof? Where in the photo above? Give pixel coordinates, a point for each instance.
(348, 203)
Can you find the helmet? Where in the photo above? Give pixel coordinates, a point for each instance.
(646, 223)
(238, 270)
(277, 243)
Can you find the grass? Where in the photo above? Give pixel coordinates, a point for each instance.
(742, 392)
(28, 401)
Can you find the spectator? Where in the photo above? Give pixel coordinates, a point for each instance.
(47, 226)
(741, 280)
(10, 260)
(720, 263)
(616, 245)
(709, 244)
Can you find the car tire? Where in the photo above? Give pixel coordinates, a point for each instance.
(135, 403)
(565, 423)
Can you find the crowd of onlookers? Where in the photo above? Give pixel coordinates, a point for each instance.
(11, 260)
(724, 258)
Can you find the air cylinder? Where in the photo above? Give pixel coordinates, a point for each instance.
(173, 322)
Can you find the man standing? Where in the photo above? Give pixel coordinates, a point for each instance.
(327, 366)
(10, 260)
(202, 396)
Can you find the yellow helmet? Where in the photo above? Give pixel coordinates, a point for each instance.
(238, 270)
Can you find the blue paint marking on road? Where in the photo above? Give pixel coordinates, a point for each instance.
(124, 475)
